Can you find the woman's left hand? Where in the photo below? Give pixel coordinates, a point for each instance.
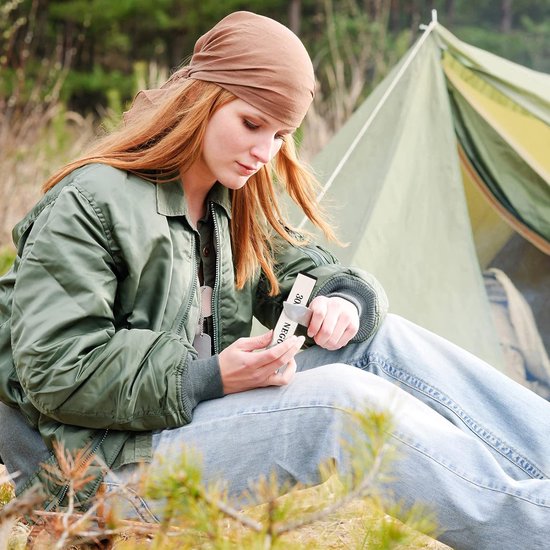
(335, 321)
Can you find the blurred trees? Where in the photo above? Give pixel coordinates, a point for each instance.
(102, 42)
(67, 65)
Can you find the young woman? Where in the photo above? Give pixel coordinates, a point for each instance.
(125, 320)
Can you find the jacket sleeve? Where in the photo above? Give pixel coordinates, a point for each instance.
(332, 279)
(73, 363)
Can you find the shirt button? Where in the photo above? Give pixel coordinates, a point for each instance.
(206, 251)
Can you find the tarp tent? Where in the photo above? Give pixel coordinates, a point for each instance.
(449, 122)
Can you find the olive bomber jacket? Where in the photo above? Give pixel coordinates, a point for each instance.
(98, 314)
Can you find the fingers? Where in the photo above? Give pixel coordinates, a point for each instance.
(277, 357)
(276, 366)
(347, 335)
(244, 365)
(255, 342)
(334, 322)
(283, 376)
(319, 308)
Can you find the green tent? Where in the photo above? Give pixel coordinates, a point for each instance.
(433, 173)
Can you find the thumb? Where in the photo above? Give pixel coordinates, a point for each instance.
(257, 342)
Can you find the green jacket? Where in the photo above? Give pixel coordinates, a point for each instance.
(99, 311)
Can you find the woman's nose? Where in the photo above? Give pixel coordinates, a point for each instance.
(263, 150)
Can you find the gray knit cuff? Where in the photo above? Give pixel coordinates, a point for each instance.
(203, 382)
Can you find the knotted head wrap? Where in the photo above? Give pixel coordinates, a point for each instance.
(257, 59)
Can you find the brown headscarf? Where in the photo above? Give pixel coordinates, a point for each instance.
(256, 58)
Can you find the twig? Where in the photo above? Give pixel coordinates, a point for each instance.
(226, 509)
(20, 506)
(65, 517)
(360, 491)
(234, 514)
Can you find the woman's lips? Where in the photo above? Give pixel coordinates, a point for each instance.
(246, 170)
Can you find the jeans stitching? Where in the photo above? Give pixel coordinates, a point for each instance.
(138, 503)
(280, 408)
(290, 407)
(478, 483)
(406, 378)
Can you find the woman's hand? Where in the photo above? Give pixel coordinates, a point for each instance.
(335, 321)
(243, 367)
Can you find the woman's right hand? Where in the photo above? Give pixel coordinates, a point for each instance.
(243, 367)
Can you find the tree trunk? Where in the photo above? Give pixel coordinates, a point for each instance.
(506, 15)
(295, 16)
(450, 9)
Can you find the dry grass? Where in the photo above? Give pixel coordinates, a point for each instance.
(348, 529)
(36, 134)
(342, 531)
(51, 140)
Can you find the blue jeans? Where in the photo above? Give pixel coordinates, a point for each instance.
(472, 445)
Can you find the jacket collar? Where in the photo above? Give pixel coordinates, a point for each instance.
(220, 195)
(171, 198)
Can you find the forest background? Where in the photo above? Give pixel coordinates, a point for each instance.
(69, 68)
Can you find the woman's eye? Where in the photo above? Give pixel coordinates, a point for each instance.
(251, 126)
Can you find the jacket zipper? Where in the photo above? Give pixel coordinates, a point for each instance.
(86, 460)
(215, 290)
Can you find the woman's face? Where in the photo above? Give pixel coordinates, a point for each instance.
(238, 141)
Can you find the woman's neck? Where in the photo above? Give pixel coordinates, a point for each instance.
(196, 188)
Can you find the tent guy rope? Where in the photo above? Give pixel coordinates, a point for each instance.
(427, 30)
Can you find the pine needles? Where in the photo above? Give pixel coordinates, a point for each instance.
(344, 511)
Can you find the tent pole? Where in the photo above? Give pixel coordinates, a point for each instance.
(427, 30)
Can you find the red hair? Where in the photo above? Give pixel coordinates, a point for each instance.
(167, 139)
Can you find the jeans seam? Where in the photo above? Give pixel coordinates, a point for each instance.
(278, 409)
(136, 501)
(496, 443)
(249, 412)
(478, 483)
(282, 408)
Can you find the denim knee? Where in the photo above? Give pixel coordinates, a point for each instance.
(347, 387)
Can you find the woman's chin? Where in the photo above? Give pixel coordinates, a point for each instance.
(234, 183)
